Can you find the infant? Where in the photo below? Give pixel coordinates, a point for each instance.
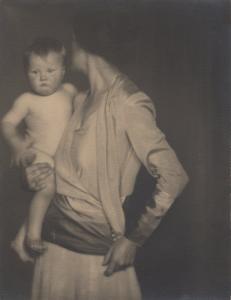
(45, 109)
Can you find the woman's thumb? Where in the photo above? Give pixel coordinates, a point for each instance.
(107, 257)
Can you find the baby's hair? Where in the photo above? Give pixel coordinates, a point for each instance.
(42, 46)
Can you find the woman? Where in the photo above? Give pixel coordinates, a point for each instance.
(112, 132)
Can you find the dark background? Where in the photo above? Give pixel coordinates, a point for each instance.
(181, 60)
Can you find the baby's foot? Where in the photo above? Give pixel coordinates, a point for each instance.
(18, 247)
(35, 247)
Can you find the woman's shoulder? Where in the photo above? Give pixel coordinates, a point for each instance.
(127, 92)
(125, 86)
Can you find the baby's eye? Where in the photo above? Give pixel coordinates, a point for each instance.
(34, 72)
(51, 70)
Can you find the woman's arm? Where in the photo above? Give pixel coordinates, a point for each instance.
(137, 115)
(151, 147)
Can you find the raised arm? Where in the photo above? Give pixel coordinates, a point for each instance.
(9, 127)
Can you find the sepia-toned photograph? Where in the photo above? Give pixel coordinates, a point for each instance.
(114, 158)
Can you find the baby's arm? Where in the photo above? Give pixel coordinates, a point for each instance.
(9, 126)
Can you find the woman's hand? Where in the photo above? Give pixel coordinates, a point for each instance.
(35, 175)
(120, 255)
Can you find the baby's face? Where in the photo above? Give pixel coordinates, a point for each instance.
(45, 73)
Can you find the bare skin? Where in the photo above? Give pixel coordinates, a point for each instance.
(36, 176)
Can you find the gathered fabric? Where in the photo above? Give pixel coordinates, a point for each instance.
(84, 231)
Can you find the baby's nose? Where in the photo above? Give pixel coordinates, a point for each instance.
(43, 76)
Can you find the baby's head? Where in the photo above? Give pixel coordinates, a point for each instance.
(44, 63)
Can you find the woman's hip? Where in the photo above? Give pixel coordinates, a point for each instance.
(61, 274)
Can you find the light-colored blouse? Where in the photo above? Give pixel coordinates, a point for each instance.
(91, 233)
(126, 136)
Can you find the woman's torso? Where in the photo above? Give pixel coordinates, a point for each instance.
(78, 166)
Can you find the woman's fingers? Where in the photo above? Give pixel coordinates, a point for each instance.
(38, 168)
(111, 268)
(40, 185)
(120, 256)
(43, 174)
(111, 262)
(37, 174)
(107, 257)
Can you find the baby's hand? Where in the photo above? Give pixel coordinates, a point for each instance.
(27, 158)
(22, 153)
(17, 155)
(23, 157)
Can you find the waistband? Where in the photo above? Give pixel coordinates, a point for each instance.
(65, 227)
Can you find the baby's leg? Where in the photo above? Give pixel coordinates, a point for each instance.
(38, 207)
(37, 211)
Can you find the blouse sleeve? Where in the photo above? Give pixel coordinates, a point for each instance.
(151, 147)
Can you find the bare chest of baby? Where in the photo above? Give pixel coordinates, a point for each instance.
(47, 119)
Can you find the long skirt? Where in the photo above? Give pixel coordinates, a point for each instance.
(61, 274)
